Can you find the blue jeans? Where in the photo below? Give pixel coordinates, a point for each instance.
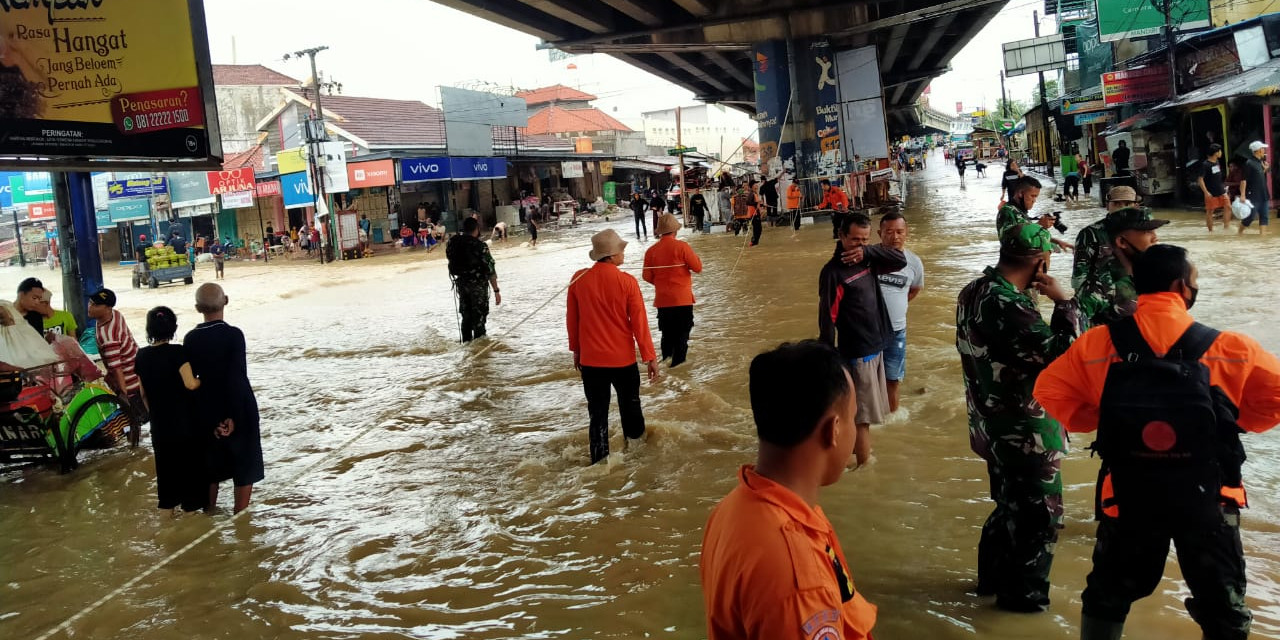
(895, 357)
(1261, 213)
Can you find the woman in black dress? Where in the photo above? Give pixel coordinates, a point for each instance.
(167, 383)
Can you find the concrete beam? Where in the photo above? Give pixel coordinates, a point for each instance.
(919, 15)
(592, 17)
(893, 46)
(930, 41)
(693, 70)
(635, 10)
(514, 15)
(724, 63)
(638, 47)
(665, 72)
(699, 8)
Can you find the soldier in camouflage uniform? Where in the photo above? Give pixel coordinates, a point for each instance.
(1023, 193)
(1004, 343)
(1102, 271)
(471, 266)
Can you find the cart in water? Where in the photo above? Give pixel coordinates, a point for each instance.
(162, 265)
(55, 416)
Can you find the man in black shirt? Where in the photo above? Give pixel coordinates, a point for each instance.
(28, 303)
(853, 317)
(1120, 157)
(638, 206)
(1215, 194)
(769, 191)
(1253, 189)
(698, 209)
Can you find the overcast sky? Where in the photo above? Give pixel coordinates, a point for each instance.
(405, 48)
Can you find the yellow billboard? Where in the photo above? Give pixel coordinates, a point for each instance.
(292, 160)
(106, 79)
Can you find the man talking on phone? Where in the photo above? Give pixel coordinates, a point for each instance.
(1004, 344)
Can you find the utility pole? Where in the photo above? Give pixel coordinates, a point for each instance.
(1169, 44)
(1004, 96)
(1044, 108)
(317, 189)
(684, 200)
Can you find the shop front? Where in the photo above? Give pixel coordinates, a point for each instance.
(447, 187)
(372, 184)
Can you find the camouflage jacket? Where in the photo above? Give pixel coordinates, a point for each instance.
(1009, 216)
(470, 262)
(1103, 287)
(1004, 344)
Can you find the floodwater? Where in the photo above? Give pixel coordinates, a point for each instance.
(417, 488)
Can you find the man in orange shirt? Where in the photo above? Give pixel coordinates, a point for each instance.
(1169, 398)
(606, 321)
(772, 568)
(669, 266)
(835, 199)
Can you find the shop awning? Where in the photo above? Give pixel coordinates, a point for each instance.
(1262, 80)
(1140, 121)
(639, 165)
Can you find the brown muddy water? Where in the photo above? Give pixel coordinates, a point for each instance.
(417, 488)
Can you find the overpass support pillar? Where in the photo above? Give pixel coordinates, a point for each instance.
(78, 242)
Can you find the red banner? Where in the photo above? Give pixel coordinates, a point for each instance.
(1147, 84)
(41, 211)
(268, 189)
(157, 110)
(379, 173)
(231, 180)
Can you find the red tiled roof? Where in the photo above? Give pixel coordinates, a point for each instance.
(250, 75)
(555, 93)
(382, 122)
(557, 120)
(252, 157)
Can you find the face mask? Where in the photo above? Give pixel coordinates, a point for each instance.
(1194, 292)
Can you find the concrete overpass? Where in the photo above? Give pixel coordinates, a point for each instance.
(932, 121)
(705, 45)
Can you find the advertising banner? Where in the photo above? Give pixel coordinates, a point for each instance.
(267, 189)
(335, 166)
(379, 173)
(296, 189)
(18, 191)
(1084, 104)
(103, 219)
(6, 191)
(137, 187)
(864, 129)
(773, 93)
(126, 210)
(106, 79)
(237, 200)
(1147, 84)
(1095, 55)
(424, 169)
(1094, 118)
(292, 160)
(189, 189)
(230, 180)
(827, 109)
(1121, 19)
(484, 168)
(571, 169)
(41, 211)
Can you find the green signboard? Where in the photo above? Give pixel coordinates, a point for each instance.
(611, 192)
(1095, 56)
(1121, 19)
(18, 187)
(681, 150)
(126, 210)
(1005, 125)
(103, 218)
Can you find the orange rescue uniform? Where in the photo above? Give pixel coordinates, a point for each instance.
(772, 569)
(832, 197)
(669, 266)
(1070, 389)
(606, 318)
(793, 197)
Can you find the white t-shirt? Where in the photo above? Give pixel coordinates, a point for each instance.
(895, 287)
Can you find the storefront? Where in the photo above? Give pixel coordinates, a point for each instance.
(372, 183)
(447, 187)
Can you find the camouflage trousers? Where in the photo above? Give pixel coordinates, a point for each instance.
(1128, 564)
(1015, 552)
(473, 306)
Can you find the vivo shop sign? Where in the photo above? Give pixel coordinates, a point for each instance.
(426, 169)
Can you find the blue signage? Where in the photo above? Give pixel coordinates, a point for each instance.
(136, 187)
(126, 210)
(478, 168)
(103, 218)
(6, 191)
(423, 169)
(295, 188)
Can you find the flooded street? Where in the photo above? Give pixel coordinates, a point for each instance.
(418, 488)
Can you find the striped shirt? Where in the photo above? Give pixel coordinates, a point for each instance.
(118, 349)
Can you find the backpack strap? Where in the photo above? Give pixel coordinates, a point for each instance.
(1193, 344)
(1128, 340)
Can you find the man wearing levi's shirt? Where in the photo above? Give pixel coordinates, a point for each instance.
(898, 288)
(771, 566)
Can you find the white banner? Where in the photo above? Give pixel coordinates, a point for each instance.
(335, 167)
(571, 170)
(237, 200)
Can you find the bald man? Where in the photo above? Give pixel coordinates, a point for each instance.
(228, 408)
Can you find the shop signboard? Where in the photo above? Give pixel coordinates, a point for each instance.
(126, 210)
(267, 189)
(103, 219)
(606, 167)
(292, 160)
(1095, 55)
(6, 191)
(1207, 64)
(571, 169)
(41, 211)
(424, 169)
(478, 168)
(118, 82)
(1147, 84)
(1124, 19)
(189, 189)
(296, 189)
(379, 173)
(237, 200)
(1044, 53)
(137, 187)
(1094, 118)
(230, 180)
(1084, 104)
(18, 190)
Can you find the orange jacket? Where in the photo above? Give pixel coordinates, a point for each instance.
(669, 266)
(793, 197)
(606, 318)
(832, 197)
(769, 569)
(1070, 389)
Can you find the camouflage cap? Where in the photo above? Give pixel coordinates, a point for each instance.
(1027, 239)
(1138, 218)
